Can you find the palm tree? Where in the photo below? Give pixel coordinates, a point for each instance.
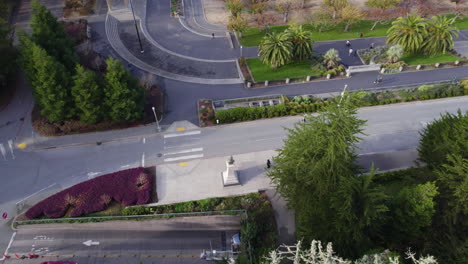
(301, 40)
(395, 53)
(440, 35)
(331, 58)
(276, 49)
(409, 32)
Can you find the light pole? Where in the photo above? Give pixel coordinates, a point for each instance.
(136, 27)
(241, 50)
(342, 93)
(156, 117)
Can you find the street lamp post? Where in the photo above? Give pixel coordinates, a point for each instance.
(156, 117)
(342, 93)
(241, 51)
(136, 27)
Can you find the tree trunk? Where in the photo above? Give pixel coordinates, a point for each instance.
(375, 24)
(240, 34)
(285, 17)
(454, 18)
(346, 28)
(334, 14)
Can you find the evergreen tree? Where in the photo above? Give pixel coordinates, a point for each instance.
(51, 35)
(448, 135)
(315, 172)
(26, 46)
(124, 98)
(88, 95)
(51, 85)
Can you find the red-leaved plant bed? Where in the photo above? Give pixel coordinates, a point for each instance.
(127, 187)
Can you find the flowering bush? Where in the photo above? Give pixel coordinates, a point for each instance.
(127, 187)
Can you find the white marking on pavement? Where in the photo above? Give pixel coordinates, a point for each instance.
(90, 242)
(125, 166)
(178, 146)
(144, 140)
(143, 160)
(92, 174)
(9, 245)
(184, 151)
(263, 139)
(2, 149)
(183, 134)
(10, 144)
(184, 157)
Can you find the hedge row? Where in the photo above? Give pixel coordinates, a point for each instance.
(306, 104)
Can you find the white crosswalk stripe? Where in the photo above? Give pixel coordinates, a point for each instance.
(182, 146)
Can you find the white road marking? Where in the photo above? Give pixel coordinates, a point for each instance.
(92, 174)
(125, 166)
(143, 160)
(9, 245)
(144, 140)
(183, 134)
(178, 146)
(184, 157)
(90, 242)
(184, 151)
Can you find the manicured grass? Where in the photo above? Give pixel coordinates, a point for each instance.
(253, 36)
(416, 59)
(262, 72)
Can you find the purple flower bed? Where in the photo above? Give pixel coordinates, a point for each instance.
(127, 187)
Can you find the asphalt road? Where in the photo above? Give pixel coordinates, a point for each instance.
(175, 240)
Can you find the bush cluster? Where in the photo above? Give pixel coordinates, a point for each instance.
(127, 187)
(300, 105)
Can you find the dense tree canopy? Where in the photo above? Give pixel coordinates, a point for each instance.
(124, 98)
(409, 32)
(88, 95)
(51, 36)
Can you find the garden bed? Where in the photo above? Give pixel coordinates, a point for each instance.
(205, 112)
(128, 187)
(76, 8)
(155, 96)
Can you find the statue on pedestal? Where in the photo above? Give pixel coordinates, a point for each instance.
(230, 175)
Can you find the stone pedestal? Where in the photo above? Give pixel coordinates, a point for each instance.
(230, 175)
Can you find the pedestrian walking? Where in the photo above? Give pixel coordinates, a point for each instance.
(348, 44)
(350, 52)
(212, 35)
(268, 163)
(371, 45)
(379, 79)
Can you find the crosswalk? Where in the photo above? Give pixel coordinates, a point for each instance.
(7, 150)
(182, 146)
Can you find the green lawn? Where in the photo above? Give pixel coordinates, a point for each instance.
(253, 36)
(262, 72)
(416, 59)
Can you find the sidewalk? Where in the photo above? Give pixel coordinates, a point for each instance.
(86, 139)
(200, 179)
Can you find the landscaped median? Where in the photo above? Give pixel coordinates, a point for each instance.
(310, 104)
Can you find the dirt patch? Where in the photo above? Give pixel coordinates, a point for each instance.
(216, 11)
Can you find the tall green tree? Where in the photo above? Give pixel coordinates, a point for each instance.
(301, 40)
(445, 136)
(276, 49)
(235, 6)
(409, 32)
(124, 98)
(350, 15)
(440, 35)
(88, 95)
(51, 36)
(315, 171)
(413, 209)
(360, 213)
(51, 85)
